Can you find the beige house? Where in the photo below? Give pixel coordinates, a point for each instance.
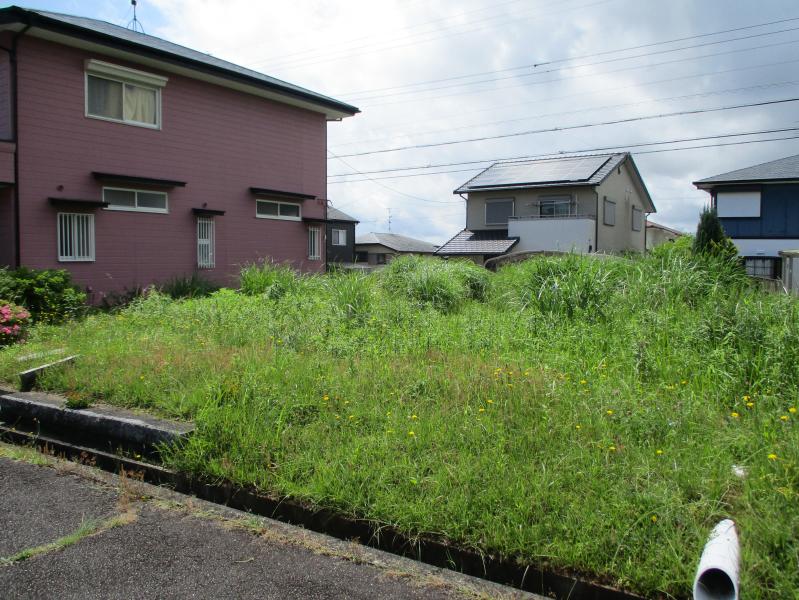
(657, 234)
(583, 204)
(381, 248)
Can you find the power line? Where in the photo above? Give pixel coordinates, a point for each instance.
(365, 94)
(561, 79)
(569, 127)
(495, 108)
(581, 110)
(656, 151)
(334, 56)
(599, 149)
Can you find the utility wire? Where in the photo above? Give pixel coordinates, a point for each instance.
(569, 127)
(598, 149)
(365, 93)
(581, 110)
(495, 108)
(572, 77)
(739, 143)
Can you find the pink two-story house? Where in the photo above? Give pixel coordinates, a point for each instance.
(129, 160)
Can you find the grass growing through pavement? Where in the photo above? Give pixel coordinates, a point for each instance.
(576, 413)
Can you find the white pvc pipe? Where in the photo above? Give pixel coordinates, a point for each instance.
(717, 574)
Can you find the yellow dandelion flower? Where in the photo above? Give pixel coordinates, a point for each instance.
(612, 448)
(578, 427)
(783, 417)
(609, 411)
(658, 452)
(388, 414)
(481, 409)
(746, 398)
(684, 382)
(325, 397)
(414, 417)
(527, 373)
(411, 433)
(792, 410)
(750, 404)
(490, 401)
(734, 415)
(772, 456)
(583, 382)
(510, 385)
(351, 417)
(654, 518)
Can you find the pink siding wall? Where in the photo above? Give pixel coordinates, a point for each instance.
(217, 140)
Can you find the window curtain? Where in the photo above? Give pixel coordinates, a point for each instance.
(139, 104)
(105, 98)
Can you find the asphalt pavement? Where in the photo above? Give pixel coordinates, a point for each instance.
(72, 531)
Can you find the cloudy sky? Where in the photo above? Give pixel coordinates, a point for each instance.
(441, 73)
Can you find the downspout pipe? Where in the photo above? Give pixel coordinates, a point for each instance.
(717, 573)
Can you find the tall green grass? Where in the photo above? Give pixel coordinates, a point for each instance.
(577, 413)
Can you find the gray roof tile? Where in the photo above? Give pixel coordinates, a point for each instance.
(400, 243)
(478, 242)
(334, 214)
(780, 169)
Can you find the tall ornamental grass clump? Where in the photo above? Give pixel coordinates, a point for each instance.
(268, 279)
(444, 285)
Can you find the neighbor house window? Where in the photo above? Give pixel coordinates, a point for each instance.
(116, 93)
(339, 237)
(609, 212)
(75, 237)
(766, 267)
(380, 259)
(136, 200)
(638, 219)
(314, 253)
(275, 209)
(498, 211)
(205, 243)
(555, 206)
(738, 204)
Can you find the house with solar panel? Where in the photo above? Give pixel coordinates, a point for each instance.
(129, 160)
(583, 204)
(759, 211)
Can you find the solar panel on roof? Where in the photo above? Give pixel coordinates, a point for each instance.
(561, 170)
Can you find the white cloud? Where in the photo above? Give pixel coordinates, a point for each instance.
(342, 48)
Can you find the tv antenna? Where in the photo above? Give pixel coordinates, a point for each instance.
(135, 24)
(389, 220)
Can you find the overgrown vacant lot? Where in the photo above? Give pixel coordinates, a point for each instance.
(579, 413)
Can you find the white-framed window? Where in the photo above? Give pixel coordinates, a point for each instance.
(135, 200)
(555, 206)
(498, 210)
(277, 209)
(206, 252)
(123, 95)
(314, 235)
(75, 237)
(638, 219)
(609, 212)
(339, 237)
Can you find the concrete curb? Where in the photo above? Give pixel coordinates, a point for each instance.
(106, 425)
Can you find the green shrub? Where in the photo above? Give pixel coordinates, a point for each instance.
(441, 284)
(48, 294)
(269, 279)
(194, 286)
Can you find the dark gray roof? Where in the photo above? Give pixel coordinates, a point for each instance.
(546, 172)
(781, 169)
(478, 242)
(334, 214)
(114, 35)
(399, 243)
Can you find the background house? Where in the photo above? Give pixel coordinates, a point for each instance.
(592, 203)
(758, 208)
(381, 248)
(657, 234)
(340, 234)
(129, 160)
